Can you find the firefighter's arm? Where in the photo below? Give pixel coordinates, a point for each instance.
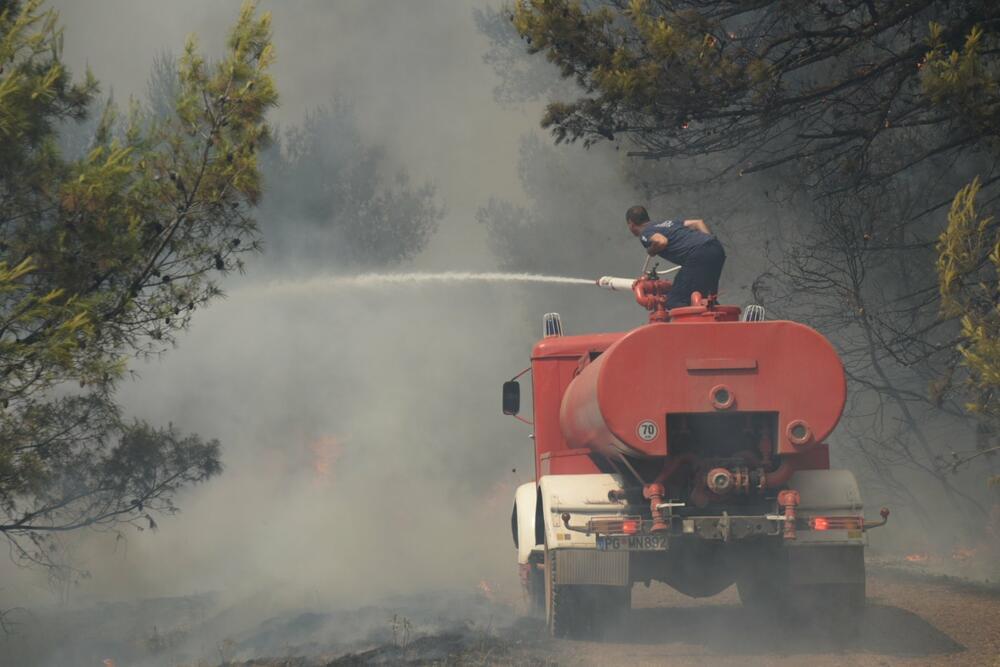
(697, 224)
(657, 243)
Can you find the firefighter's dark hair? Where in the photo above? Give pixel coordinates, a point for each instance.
(637, 215)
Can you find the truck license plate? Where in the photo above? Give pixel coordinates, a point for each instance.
(632, 542)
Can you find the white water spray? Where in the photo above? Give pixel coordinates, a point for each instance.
(380, 280)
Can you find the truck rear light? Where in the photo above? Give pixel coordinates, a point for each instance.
(614, 525)
(835, 523)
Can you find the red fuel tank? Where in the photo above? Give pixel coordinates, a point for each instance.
(618, 403)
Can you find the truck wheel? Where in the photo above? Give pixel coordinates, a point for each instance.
(765, 588)
(612, 604)
(565, 612)
(575, 611)
(536, 591)
(762, 594)
(837, 607)
(837, 598)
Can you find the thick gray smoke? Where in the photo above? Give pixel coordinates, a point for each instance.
(364, 449)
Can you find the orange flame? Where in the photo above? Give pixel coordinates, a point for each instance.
(498, 495)
(917, 558)
(325, 452)
(487, 590)
(963, 554)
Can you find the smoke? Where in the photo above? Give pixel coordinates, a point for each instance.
(364, 449)
(354, 468)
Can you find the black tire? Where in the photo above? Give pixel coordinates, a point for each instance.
(564, 613)
(764, 588)
(761, 594)
(568, 616)
(839, 608)
(536, 592)
(612, 605)
(579, 611)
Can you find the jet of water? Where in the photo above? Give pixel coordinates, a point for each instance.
(380, 280)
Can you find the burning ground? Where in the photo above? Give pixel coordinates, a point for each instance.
(208, 630)
(911, 619)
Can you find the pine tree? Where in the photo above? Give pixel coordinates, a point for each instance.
(107, 256)
(866, 114)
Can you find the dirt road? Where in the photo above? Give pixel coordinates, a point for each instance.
(910, 620)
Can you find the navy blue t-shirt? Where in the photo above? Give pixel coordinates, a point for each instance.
(681, 240)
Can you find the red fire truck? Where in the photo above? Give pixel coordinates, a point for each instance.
(691, 451)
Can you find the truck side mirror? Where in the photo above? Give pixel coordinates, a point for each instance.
(511, 397)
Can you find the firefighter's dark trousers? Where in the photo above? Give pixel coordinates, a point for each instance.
(699, 274)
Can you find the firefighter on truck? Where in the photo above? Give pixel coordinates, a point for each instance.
(687, 243)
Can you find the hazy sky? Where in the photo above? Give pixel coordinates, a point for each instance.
(413, 70)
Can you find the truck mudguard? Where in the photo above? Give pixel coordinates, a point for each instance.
(525, 509)
(833, 491)
(580, 496)
(828, 493)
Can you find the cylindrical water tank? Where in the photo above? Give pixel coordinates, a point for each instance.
(619, 401)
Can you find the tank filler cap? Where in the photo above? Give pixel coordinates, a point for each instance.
(722, 397)
(551, 325)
